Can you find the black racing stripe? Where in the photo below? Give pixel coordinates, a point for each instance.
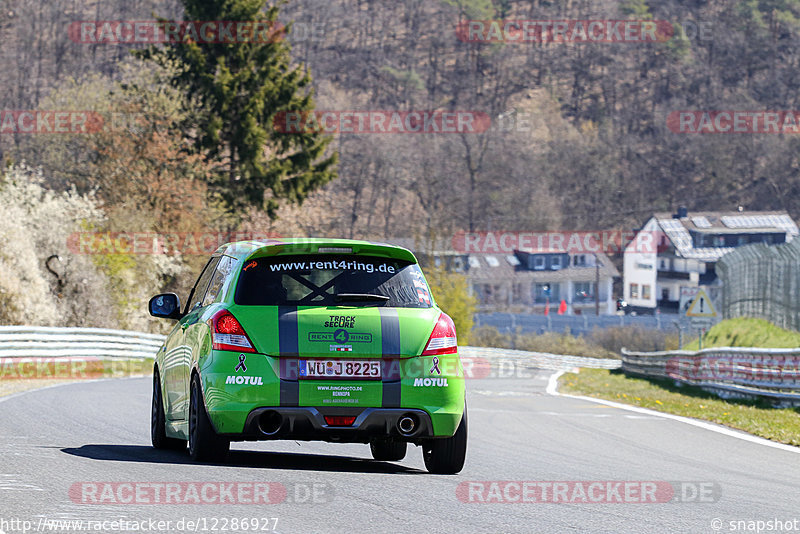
(391, 394)
(390, 348)
(288, 346)
(290, 393)
(390, 333)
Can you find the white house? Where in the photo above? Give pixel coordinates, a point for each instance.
(675, 252)
(530, 281)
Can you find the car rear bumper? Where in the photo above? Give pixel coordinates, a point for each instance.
(308, 424)
(232, 396)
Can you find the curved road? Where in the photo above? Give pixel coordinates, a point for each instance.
(85, 434)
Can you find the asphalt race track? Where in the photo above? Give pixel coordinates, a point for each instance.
(92, 434)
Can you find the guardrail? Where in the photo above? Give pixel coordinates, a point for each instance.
(727, 371)
(57, 342)
(527, 323)
(539, 360)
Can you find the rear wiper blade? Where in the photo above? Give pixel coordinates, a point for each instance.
(360, 296)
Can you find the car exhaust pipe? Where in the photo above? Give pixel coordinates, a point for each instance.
(270, 422)
(407, 425)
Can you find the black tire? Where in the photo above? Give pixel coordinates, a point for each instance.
(446, 456)
(204, 443)
(388, 450)
(158, 433)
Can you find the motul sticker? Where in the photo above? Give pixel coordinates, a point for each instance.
(430, 382)
(250, 380)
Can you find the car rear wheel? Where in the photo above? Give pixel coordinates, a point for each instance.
(387, 450)
(158, 434)
(446, 456)
(204, 443)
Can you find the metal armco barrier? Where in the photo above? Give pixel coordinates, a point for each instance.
(56, 342)
(40, 341)
(727, 371)
(538, 360)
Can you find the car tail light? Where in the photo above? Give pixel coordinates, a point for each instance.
(228, 334)
(339, 420)
(443, 338)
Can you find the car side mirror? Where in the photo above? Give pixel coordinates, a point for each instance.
(165, 306)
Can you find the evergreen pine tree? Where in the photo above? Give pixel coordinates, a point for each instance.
(238, 87)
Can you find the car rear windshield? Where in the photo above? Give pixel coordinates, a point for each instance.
(326, 280)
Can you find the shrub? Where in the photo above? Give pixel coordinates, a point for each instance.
(451, 293)
(635, 338)
(556, 343)
(550, 342)
(35, 225)
(99, 290)
(489, 336)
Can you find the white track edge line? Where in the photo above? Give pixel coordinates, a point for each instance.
(552, 389)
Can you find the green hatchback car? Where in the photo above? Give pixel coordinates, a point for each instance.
(310, 339)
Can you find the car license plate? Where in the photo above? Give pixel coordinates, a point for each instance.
(364, 369)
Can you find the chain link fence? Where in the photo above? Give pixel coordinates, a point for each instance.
(762, 281)
(509, 323)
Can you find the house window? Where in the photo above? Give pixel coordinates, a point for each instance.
(555, 262)
(542, 292)
(584, 291)
(646, 291)
(634, 291)
(538, 262)
(516, 293)
(477, 291)
(579, 260)
(488, 291)
(665, 293)
(662, 264)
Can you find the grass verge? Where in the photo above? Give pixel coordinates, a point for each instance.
(755, 417)
(748, 332)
